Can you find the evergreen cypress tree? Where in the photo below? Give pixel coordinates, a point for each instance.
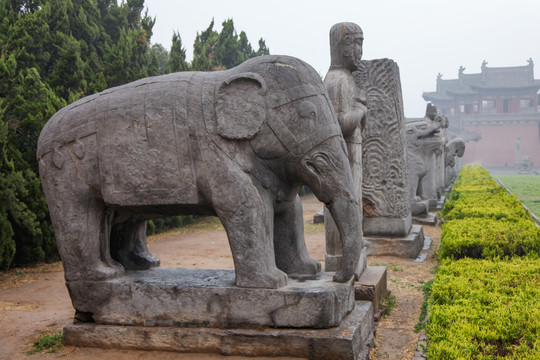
(218, 51)
(53, 52)
(177, 55)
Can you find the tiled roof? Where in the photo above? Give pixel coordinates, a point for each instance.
(489, 78)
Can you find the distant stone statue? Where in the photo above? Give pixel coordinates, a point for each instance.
(453, 149)
(423, 141)
(517, 151)
(346, 41)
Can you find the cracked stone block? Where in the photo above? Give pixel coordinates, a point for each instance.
(209, 298)
(352, 339)
(372, 285)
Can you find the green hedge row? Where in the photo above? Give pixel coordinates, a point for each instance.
(480, 238)
(485, 309)
(481, 220)
(484, 301)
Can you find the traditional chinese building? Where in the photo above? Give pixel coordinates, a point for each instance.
(496, 111)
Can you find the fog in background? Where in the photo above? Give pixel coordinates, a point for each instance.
(424, 37)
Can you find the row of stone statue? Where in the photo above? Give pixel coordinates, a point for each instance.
(399, 169)
(238, 144)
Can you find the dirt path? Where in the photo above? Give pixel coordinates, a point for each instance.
(36, 300)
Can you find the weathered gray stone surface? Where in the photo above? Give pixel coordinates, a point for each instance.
(209, 298)
(372, 286)
(351, 340)
(453, 149)
(236, 144)
(425, 219)
(346, 41)
(423, 143)
(385, 184)
(408, 247)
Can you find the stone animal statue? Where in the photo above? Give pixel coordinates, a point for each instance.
(453, 148)
(422, 141)
(236, 144)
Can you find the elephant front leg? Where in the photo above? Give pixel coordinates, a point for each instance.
(248, 221)
(249, 236)
(289, 243)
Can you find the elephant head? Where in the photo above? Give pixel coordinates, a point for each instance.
(280, 106)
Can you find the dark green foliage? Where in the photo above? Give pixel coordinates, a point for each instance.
(160, 225)
(177, 56)
(53, 52)
(219, 51)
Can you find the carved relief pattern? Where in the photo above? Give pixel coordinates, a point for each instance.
(385, 184)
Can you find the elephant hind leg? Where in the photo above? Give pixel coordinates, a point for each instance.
(82, 227)
(128, 246)
(289, 243)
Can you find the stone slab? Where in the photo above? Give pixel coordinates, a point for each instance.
(440, 202)
(209, 298)
(427, 219)
(333, 262)
(432, 203)
(372, 285)
(407, 247)
(318, 218)
(386, 226)
(352, 340)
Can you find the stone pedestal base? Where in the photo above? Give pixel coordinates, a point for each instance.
(372, 286)
(318, 218)
(440, 202)
(209, 298)
(433, 204)
(352, 340)
(386, 226)
(333, 262)
(426, 219)
(407, 247)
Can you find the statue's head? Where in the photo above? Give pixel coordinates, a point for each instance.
(431, 111)
(346, 41)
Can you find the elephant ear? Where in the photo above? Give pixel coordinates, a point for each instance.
(240, 106)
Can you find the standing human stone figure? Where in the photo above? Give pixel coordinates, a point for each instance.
(346, 40)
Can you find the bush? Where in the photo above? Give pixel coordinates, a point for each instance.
(495, 204)
(474, 178)
(160, 225)
(489, 238)
(482, 309)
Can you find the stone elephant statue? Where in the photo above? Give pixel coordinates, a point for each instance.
(236, 144)
(423, 141)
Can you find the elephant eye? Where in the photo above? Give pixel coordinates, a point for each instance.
(307, 109)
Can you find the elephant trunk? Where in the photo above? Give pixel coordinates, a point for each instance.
(326, 170)
(346, 214)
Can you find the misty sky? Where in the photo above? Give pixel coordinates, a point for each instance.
(424, 37)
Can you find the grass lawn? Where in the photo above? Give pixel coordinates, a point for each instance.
(526, 188)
